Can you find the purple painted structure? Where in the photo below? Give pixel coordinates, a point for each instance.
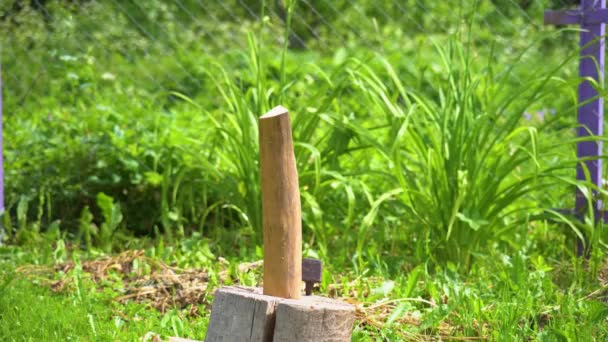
(591, 115)
(592, 17)
(1, 158)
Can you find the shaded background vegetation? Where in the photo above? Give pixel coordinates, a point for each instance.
(139, 118)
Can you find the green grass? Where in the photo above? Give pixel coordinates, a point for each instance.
(33, 313)
(84, 311)
(30, 312)
(503, 298)
(428, 196)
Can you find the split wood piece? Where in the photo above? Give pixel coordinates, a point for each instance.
(281, 212)
(241, 314)
(244, 314)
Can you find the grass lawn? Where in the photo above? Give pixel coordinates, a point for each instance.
(135, 294)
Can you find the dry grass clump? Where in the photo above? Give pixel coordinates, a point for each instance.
(158, 284)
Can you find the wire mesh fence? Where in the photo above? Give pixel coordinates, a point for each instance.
(123, 67)
(39, 35)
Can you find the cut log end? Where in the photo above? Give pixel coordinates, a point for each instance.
(276, 111)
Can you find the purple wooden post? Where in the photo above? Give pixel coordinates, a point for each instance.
(2, 232)
(591, 115)
(592, 17)
(1, 160)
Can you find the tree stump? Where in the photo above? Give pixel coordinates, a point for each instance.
(244, 314)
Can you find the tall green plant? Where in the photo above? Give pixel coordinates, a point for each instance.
(112, 217)
(468, 170)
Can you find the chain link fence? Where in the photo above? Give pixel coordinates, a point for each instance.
(40, 36)
(79, 75)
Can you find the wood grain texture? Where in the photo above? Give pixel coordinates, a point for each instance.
(313, 319)
(241, 314)
(281, 210)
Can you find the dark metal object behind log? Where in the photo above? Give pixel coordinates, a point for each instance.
(311, 273)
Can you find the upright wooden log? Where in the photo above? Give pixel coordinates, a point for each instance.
(281, 210)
